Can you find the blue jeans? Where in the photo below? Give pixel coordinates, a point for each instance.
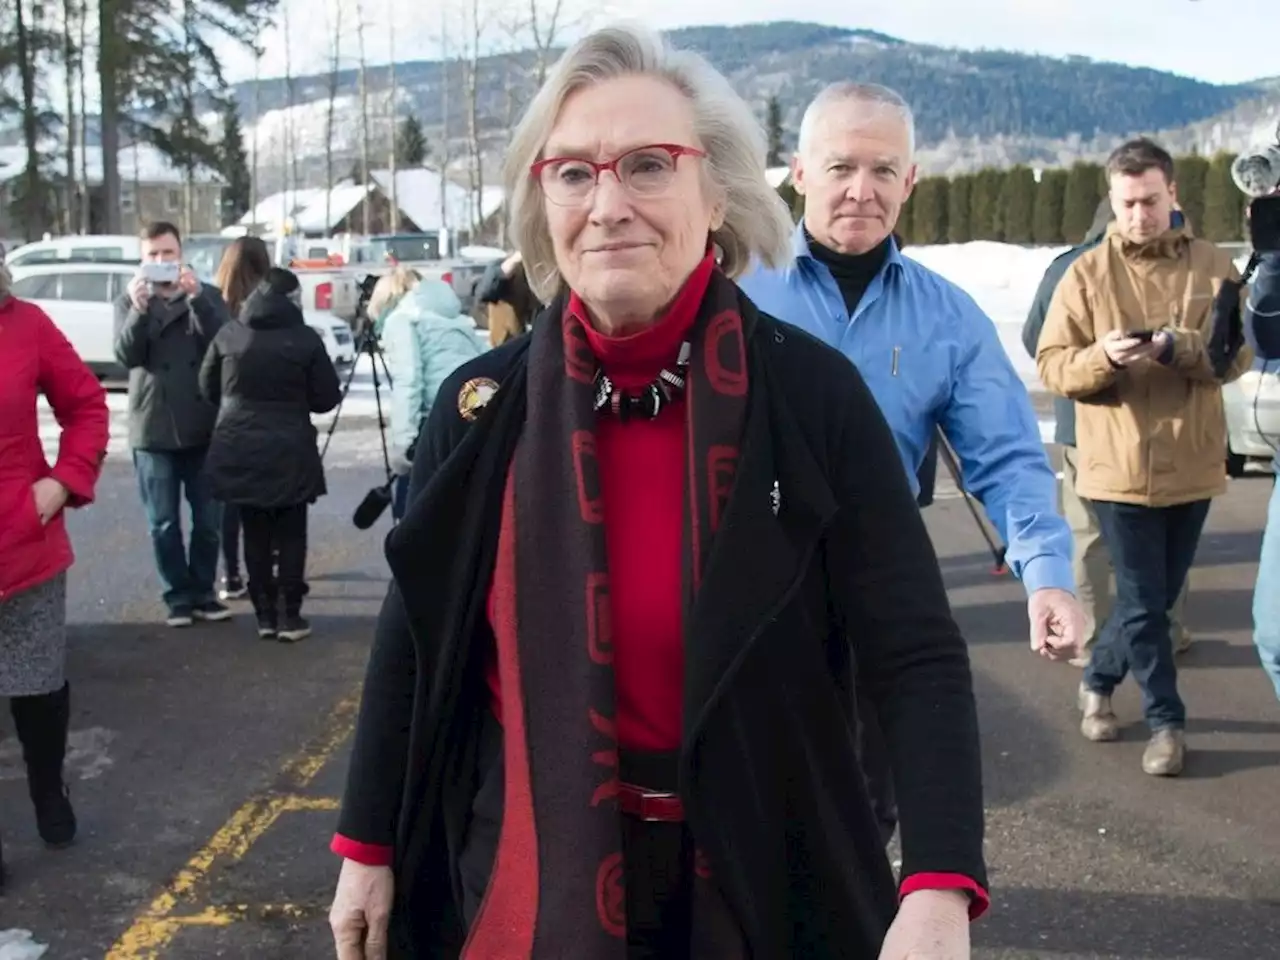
(163, 478)
(1152, 549)
(1266, 593)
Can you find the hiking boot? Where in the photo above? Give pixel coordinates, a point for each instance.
(1166, 751)
(232, 588)
(1098, 722)
(212, 611)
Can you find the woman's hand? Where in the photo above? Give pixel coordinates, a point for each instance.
(361, 911)
(930, 925)
(51, 496)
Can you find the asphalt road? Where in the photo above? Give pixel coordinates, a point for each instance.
(206, 765)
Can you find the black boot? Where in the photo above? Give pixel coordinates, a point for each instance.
(42, 723)
(294, 626)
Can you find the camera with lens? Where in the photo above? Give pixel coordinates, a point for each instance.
(1257, 174)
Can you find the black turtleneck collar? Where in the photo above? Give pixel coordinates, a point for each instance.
(853, 272)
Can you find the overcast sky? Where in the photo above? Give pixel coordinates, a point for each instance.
(1209, 39)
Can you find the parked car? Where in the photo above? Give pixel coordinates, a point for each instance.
(1253, 416)
(77, 248)
(79, 296)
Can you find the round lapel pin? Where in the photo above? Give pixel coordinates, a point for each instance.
(475, 395)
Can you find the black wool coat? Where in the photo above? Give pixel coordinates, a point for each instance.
(837, 596)
(267, 373)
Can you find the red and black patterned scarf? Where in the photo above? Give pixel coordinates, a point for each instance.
(557, 884)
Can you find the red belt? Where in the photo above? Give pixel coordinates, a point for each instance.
(650, 804)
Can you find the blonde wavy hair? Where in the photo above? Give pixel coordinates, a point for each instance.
(757, 225)
(388, 291)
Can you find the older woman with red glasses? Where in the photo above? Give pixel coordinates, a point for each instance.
(651, 552)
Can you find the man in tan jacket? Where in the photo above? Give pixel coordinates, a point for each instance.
(1127, 338)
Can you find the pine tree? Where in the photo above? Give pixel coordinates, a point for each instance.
(411, 143)
(984, 205)
(1223, 203)
(776, 156)
(929, 211)
(1191, 174)
(1018, 204)
(1046, 225)
(233, 165)
(959, 223)
(1080, 200)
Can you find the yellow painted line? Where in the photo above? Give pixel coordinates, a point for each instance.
(296, 804)
(156, 926)
(225, 916)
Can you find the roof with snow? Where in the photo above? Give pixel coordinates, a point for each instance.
(304, 210)
(143, 164)
(418, 197)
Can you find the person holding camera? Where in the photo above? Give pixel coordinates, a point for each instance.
(425, 336)
(164, 323)
(1130, 337)
(266, 375)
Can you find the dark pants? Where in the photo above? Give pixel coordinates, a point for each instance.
(231, 541)
(1152, 549)
(275, 556)
(164, 477)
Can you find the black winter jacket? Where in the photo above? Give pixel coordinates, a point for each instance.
(1262, 316)
(163, 347)
(267, 373)
(837, 597)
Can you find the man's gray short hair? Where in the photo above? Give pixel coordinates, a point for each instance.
(757, 225)
(869, 94)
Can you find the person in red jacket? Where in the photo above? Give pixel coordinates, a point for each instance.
(35, 552)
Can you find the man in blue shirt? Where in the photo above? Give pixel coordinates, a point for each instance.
(927, 351)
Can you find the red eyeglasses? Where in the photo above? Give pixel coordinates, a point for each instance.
(645, 171)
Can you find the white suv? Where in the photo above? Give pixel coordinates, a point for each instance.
(80, 295)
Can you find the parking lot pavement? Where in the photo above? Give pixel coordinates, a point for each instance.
(207, 765)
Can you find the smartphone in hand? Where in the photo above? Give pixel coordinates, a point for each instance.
(1144, 335)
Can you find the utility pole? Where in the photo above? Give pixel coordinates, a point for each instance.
(394, 114)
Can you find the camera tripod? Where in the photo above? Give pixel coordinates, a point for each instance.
(366, 345)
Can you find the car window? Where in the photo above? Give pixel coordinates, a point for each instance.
(92, 287)
(43, 286)
(97, 253)
(20, 257)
